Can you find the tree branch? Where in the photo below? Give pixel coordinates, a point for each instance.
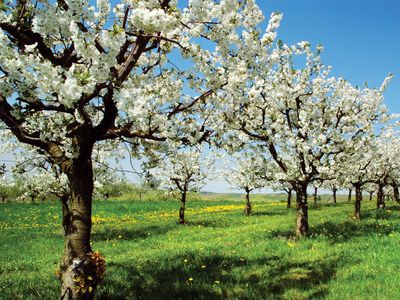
(15, 125)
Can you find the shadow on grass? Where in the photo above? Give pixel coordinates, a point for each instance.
(339, 233)
(131, 233)
(379, 214)
(326, 204)
(311, 277)
(135, 232)
(275, 212)
(220, 278)
(392, 206)
(208, 223)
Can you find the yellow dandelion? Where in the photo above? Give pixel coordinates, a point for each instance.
(291, 245)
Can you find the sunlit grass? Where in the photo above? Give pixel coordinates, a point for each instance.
(218, 254)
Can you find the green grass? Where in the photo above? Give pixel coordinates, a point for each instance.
(218, 254)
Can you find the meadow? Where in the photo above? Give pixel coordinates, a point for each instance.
(218, 254)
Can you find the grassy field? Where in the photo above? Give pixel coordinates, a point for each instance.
(218, 254)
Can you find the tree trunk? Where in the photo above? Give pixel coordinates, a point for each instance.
(182, 208)
(3, 199)
(334, 195)
(248, 204)
(370, 195)
(289, 198)
(33, 199)
(349, 197)
(380, 201)
(79, 273)
(396, 196)
(315, 195)
(302, 210)
(357, 205)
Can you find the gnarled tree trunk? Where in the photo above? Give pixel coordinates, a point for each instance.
(357, 203)
(289, 198)
(79, 274)
(334, 194)
(380, 201)
(302, 210)
(182, 208)
(247, 210)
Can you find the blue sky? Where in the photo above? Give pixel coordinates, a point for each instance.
(361, 37)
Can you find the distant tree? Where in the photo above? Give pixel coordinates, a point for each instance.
(110, 184)
(333, 185)
(6, 186)
(369, 163)
(385, 166)
(316, 184)
(371, 189)
(289, 197)
(182, 171)
(245, 171)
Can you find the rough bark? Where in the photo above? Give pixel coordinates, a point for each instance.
(334, 194)
(248, 208)
(357, 204)
(380, 201)
(302, 211)
(78, 275)
(182, 208)
(289, 198)
(396, 196)
(349, 197)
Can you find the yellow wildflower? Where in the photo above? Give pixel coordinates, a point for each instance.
(291, 245)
